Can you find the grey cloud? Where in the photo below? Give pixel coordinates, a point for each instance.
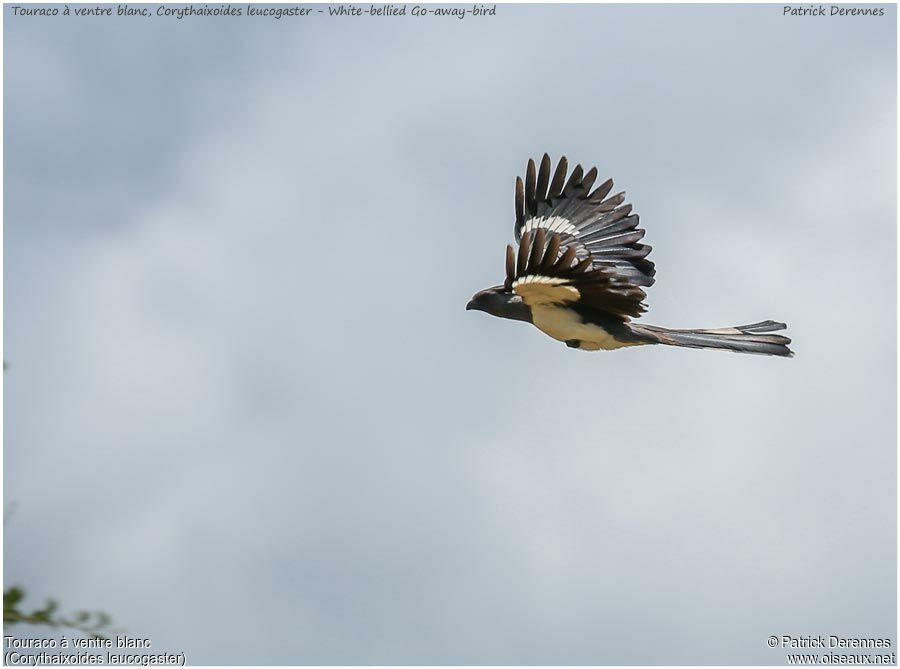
(248, 415)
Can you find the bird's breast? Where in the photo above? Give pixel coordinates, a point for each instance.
(565, 324)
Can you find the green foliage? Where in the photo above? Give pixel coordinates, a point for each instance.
(94, 625)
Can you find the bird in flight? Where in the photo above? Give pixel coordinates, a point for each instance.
(580, 271)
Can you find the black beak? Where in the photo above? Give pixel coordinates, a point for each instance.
(470, 305)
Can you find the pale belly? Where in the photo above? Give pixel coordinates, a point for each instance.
(565, 325)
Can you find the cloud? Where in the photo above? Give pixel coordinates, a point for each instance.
(249, 416)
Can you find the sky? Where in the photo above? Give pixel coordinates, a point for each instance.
(247, 414)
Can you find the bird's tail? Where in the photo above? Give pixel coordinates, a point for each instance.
(754, 338)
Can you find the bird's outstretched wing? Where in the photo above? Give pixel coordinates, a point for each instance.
(598, 227)
(547, 273)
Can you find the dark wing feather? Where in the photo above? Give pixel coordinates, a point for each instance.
(544, 272)
(595, 224)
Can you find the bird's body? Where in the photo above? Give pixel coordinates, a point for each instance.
(567, 325)
(580, 272)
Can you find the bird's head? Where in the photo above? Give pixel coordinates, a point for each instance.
(491, 300)
(502, 302)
